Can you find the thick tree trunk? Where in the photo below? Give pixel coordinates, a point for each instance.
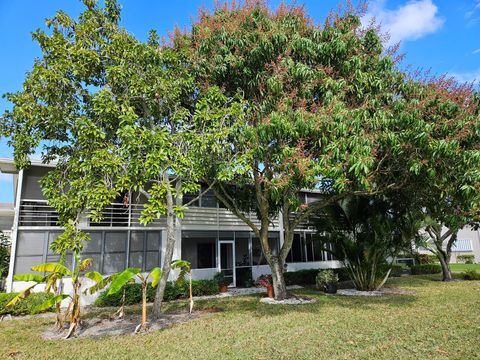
(166, 268)
(279, 287)
(168, 257)
(446, 273)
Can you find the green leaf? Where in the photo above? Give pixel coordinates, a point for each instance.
(52, 268)
(122, 279)
(29, 277)
(155, 273)
(21, 295)
(94, 275)
(51, 302)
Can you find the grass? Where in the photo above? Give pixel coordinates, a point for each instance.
(441, 321)
(463, 267)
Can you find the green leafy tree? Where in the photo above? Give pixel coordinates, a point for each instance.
(366, 234)
(119, 117)
(449, 197)
(326, 108)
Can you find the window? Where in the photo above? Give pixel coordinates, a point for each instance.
(208, 199)
(306, 248)
(296, 253)
(242, 253)
(189, 197)
(199, 248)
(257, 256)
(462, 245)
(115, 246)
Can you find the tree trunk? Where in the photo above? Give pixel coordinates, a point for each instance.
(144, 304)
(444, 255)
(279, 287)
(167, 260)
(444, 262)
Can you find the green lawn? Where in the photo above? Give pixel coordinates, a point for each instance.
(463, 267)
(442, 320)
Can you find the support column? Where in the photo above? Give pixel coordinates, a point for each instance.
(281, 229)
(14, 237)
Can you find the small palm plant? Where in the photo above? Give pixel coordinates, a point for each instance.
(185, 268)
(129, 275)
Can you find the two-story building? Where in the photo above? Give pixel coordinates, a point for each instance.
(210, 237)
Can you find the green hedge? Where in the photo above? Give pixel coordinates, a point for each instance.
(423, 269)
(424, 259)
(173, 291)
(466, 258)
(25, 306)
(307, 277)
(397, 270)
(470, 275)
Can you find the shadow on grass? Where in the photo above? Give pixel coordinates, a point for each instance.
(251, 303)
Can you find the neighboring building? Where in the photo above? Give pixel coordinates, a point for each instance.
(6, 218)
(211, 237)
(468, 242)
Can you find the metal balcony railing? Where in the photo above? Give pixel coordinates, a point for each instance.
(37, 213)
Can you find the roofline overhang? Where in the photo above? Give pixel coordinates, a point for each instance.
(7, 165)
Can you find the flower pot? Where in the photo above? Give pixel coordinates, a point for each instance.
(330, 288)
(270, 292)
(223, 288)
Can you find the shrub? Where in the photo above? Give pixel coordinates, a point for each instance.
(470, 275)
(423, 259)
(326, 277)
(24, 307)
(466, 258)
(397, 270)
(173, 291)
(220, 279)
(423, 269)
(300, 277)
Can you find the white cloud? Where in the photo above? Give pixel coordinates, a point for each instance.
(468, 76)
(407, 22)
(472, 12)
(476, 51)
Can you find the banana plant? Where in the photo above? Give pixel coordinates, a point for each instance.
(56, 271)
(100, 284)
(52, 283)
(129, 275)
(185, 268)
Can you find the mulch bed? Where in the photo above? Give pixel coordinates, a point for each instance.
(105, 326)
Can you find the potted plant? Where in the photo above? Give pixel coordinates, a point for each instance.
(221, 281)
(327, 281)
(267, 282)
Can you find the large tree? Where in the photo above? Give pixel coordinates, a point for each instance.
(117, 116)
(326, 109)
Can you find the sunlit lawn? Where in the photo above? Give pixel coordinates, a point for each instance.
(463, 267)
(442, 320)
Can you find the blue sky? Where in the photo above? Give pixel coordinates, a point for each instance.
(441, 35)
